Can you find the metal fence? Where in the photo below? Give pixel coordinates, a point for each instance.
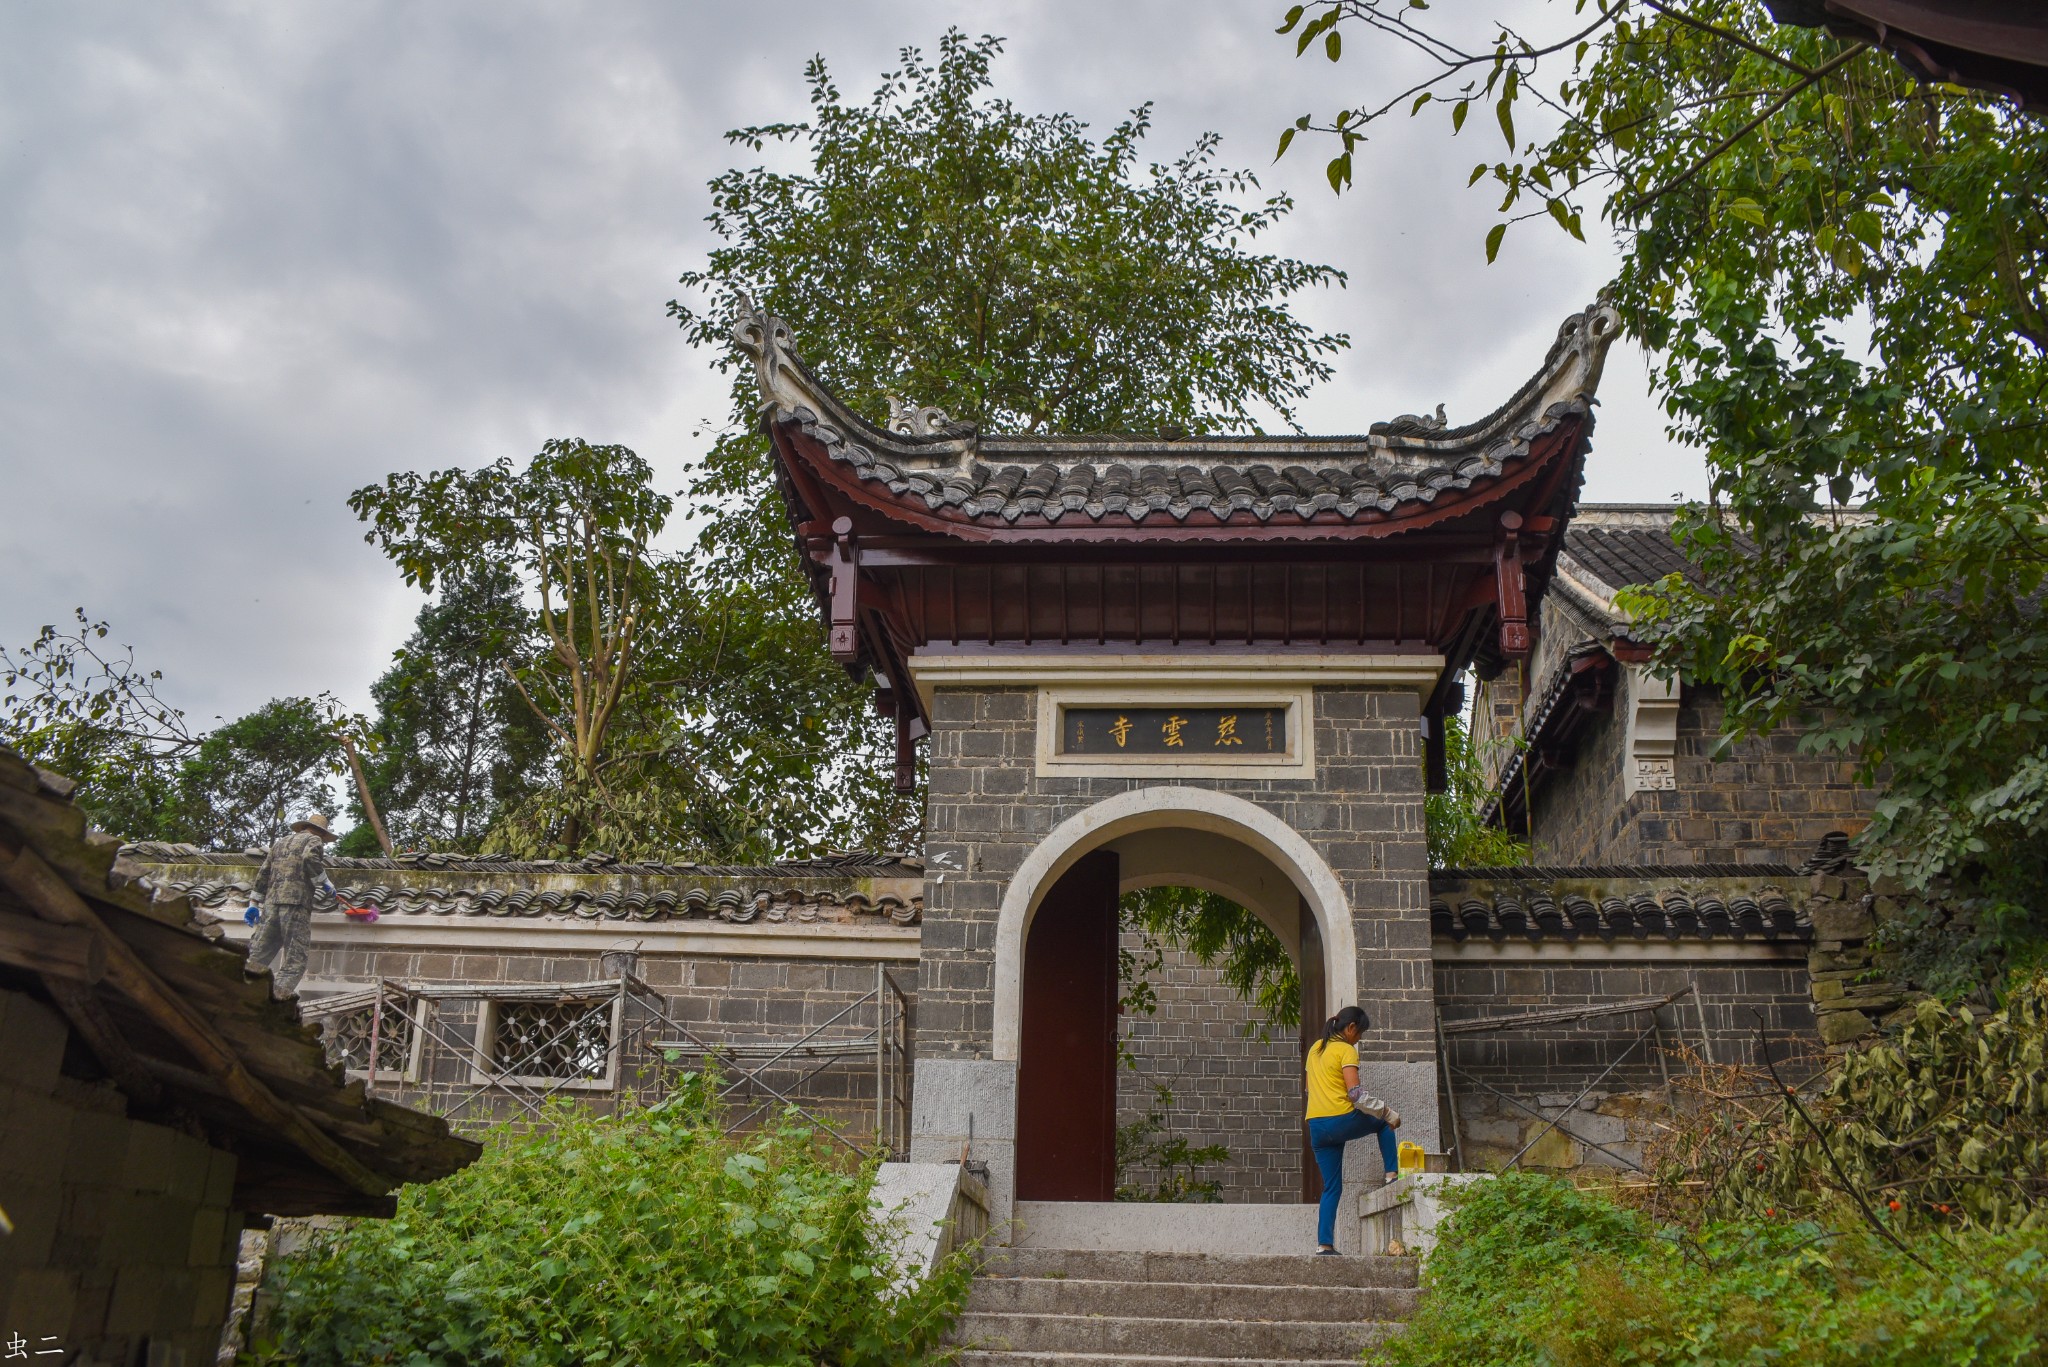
(484, 1053)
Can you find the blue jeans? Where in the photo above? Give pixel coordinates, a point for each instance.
(1327, 1135)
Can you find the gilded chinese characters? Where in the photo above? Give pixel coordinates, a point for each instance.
(1179, 732)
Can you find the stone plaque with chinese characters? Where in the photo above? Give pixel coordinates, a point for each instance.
(1190, 732)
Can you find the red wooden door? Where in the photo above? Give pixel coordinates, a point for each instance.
(1066, 1077)
(1314, 1011)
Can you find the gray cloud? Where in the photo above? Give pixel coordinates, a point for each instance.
(253, 256)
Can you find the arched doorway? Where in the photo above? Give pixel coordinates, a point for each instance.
(1056, 955)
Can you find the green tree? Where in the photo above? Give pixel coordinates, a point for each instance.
(456, 744)
(1839, 269)
(685, 716)
(946, 247)
(250, 778)
(1459, 836)
(87, 711)
(577, 526)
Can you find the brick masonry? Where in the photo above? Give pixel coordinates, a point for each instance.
(989, 809)
(124, 1246)
(1760, 801)
(1543, 1068)
(1229, 1087)
(717, 1000)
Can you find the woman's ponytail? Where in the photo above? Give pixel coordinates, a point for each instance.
(1342, 1021)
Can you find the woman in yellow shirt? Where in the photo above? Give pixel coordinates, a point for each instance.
(1339, 1111)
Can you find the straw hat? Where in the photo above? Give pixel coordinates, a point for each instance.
(314, 821)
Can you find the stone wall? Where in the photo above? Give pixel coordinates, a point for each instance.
(1544, 1067)
(123, 1248)
(989, 809)
(1761, 801)
(1229, 1087)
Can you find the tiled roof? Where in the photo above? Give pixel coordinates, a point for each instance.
(838, 889)
(858, 863)
(951, 470)
(1680, 902)
(1623, 556)
(1241, 478)
(180, 1010)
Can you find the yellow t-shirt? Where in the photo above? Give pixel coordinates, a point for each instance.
(1326, 1065)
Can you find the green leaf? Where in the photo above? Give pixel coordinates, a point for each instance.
(1504, 110)
(1749, 211)
(1333, 46)
(1458, 115)
(1493, 239)
(1339, 172)
(1286, 137)
(1293, 18)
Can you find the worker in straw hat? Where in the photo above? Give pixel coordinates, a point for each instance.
(293, 869)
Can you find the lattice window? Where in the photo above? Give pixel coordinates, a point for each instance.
(570, 1041)
(347, 1037)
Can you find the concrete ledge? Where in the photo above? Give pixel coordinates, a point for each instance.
(1408, 1209)
(927, 1211)
(1143, 1227)
(880, 942)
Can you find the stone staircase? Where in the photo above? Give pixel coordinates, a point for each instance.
(1046, 1307)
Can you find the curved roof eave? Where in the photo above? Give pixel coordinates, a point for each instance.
(941, 477)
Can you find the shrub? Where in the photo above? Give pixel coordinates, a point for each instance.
(1945, 1123)
(649, 1237)
(1529, 1271)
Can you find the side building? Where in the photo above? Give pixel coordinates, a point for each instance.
(1598, 761)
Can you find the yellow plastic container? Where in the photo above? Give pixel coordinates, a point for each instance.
(1413, 1159)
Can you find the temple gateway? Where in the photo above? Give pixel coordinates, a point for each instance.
(1217, 662)
(1135, 661)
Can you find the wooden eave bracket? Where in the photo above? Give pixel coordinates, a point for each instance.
(1510, 590)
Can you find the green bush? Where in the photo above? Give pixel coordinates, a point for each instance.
(646, 1238)
(1531, 1271)
(1944, 1123)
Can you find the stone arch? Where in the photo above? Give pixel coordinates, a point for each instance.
(1162, 808)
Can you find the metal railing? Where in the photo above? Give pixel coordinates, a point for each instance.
(459, 1067)
(1564, 1016)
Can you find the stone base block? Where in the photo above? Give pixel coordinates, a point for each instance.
(969, 1105)
(1411, 1089)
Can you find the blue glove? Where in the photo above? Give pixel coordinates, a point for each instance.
(252, 915)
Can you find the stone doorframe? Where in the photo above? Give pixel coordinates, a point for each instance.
(1175, 807)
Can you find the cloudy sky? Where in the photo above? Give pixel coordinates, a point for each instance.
(255, 255)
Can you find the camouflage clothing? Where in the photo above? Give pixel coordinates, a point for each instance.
(292, 871)
(285, 934)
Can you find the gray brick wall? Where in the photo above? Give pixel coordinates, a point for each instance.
(1736, 997)
(717, 1000)
(123, 1240)
(1229, 1088)
(988, 810)
(1761, 801)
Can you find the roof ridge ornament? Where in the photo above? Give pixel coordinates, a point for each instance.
(908, 420)
(1413, 424)
(769, 343)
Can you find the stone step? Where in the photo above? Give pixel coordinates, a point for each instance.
(976, 1359)
(1203, 1268)
(1281, 1340)
(1189, 1300)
